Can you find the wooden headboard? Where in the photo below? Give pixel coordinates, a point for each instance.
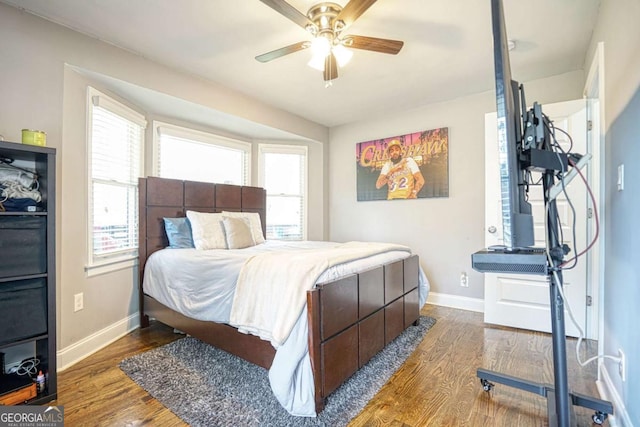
(162, 197)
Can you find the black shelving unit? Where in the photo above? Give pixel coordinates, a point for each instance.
(28, 268)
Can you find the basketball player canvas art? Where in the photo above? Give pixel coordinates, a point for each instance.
(411, 166)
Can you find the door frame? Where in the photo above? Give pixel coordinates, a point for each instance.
(594, 93)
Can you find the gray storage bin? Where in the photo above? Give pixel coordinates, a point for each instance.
(23, 245)
(23, 308)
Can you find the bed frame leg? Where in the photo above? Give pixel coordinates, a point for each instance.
(144, 321)
(319, 404)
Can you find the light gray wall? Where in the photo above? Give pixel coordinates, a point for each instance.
(444, 232)
(41, 89)
(618, 28)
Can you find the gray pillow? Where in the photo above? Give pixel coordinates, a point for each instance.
(178, 232)
(254, 224)
(238, 233)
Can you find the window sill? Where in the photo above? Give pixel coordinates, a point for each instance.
(106, 267)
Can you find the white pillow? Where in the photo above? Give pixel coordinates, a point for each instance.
(254, 221)
(207, 230)
(238, 233)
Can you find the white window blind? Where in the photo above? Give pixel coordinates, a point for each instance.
(284, 176)
(116, 137)
(182, 153)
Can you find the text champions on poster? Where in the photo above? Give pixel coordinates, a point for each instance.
(411, 166)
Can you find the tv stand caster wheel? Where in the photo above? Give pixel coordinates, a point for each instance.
(599, 417)
(486, 385)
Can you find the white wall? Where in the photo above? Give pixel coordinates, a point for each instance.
(444, 232)
(41, 89)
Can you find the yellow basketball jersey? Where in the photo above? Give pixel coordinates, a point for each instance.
(401, 181)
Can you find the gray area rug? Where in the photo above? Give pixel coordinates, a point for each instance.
(205, 386)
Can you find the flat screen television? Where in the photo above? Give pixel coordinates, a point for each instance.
(517, 220)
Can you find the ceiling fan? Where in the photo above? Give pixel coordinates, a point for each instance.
(326, 23)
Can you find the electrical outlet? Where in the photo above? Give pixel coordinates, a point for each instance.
(464, 279)
(621, 177)
(622, 365)
(78, 302)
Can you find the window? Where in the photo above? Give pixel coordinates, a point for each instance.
(183, 153)
(115, 145)
(283, 173)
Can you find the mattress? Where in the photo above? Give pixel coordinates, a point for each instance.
(201, 284)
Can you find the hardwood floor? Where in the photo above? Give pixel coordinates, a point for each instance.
(437, 386)
(95, 392)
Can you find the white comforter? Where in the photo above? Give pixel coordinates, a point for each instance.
(271, 290)
(202, 285)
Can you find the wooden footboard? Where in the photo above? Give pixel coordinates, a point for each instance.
(352, 319)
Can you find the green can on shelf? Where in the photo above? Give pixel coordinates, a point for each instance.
(34, 137)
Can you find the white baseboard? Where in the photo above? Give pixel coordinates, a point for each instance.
(608, 391)
(456, 301)
(89, 345)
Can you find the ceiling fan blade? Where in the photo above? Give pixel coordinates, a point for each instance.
(266, 57)
(373, 43)
(353, 10)
(330, 68)
(288, 11)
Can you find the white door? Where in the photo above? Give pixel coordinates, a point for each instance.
(522, 301)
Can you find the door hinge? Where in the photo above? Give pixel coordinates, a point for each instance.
(589, 301)
(589, 212)
(589, 124)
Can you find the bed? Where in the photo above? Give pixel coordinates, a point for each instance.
(349, 314)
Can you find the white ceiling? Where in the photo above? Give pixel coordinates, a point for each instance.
(448, 50)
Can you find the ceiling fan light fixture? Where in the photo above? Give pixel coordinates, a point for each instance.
(317, 62)
(312, 29)
(320, 46)
(342, 54)
(326, 22)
